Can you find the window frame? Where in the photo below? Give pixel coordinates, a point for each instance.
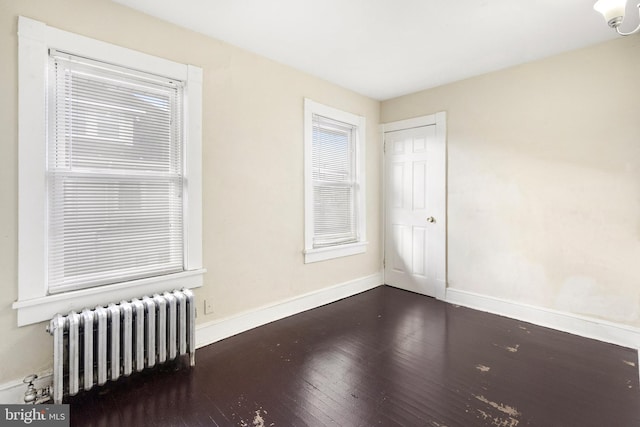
(312, 254)
(34, 302)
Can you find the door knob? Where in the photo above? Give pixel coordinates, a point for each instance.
(431, 219)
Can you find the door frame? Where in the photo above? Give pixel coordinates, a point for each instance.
(440, 150)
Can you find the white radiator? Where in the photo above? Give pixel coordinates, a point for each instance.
(105, 343)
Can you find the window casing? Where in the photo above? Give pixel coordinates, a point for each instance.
(334, 183)
(110, 174)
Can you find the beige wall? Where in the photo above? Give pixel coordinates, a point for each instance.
(252, 161)
(544, 180)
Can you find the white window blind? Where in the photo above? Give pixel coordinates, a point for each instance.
(115, 174)
(334, 184)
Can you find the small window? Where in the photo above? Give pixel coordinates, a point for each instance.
(110, 174)
(334, 183)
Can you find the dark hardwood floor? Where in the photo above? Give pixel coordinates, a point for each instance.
(385, 357)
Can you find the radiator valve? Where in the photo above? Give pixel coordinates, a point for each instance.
(33, 395)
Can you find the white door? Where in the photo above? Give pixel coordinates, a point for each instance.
(415, 213)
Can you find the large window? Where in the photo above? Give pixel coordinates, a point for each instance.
(114, 175)
(109, 173)
(334, 183)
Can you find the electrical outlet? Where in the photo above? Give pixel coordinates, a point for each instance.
(208, 307)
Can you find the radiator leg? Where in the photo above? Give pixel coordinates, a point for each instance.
(127, 338)
(161, 325)
(191, 325)
(87, 347)
(74, 352)
(101, 338)
(171, 325)
(150, 331)
(182, 321)
(56, 328)
(114, 340)
(138, 336)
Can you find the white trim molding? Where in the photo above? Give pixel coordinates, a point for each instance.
(415, 122)
(321, 254)
(211, 332)
(44, 308)
(584, 326)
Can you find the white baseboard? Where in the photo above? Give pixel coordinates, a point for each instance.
(217, 330)
(13, 391)
(588, 327)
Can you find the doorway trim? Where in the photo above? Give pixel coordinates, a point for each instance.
(440, 121)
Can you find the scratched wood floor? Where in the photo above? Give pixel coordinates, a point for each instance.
(384, 357)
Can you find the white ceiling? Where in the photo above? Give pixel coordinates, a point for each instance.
(388, 48)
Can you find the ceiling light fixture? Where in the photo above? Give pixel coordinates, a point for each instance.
(613, 12)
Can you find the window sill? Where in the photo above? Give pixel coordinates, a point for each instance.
(322, 254)
(44, 308)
